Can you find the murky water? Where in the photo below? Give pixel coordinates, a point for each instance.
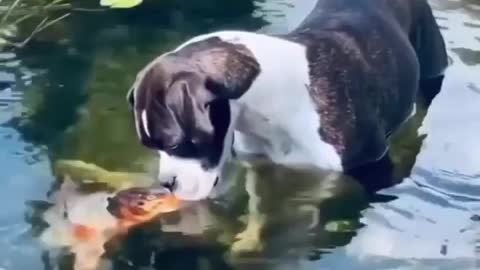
(63, 97)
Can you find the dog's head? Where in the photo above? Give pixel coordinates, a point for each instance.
(181, 108)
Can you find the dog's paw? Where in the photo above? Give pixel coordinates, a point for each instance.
(249, 240)
(247, 244)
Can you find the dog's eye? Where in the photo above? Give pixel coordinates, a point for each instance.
(207, 105)
(186, 150)
(172, 147)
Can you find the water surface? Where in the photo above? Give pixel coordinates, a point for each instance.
(63, 97)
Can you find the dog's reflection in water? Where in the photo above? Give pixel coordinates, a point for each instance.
(271, 212)
(290, 207)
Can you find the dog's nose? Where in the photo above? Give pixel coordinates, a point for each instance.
(169, 183)
(113, 207)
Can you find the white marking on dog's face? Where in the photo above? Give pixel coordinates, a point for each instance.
(145, 122)
(191, 181)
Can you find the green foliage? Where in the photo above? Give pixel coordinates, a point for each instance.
(340, 226)
(120, 3)
(14, 13)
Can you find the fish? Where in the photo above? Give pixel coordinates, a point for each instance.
(139, 205)
(83, 233)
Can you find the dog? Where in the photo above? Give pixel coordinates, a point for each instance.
(328, 94)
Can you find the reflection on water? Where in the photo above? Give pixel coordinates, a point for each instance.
(64, 97)
(76, 221)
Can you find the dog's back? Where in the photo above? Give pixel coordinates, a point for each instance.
(414, 17)
(366, 60)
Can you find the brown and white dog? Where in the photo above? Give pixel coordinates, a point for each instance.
(328, 94)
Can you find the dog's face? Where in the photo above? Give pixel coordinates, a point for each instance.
(181, 108)
(177, 115)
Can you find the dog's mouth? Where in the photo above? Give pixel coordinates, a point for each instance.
(170, 185)
(191, 189)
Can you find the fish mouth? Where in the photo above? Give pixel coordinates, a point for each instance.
(121, 210)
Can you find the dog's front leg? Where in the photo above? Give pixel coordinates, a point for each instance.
(244, 144)
(249, 239)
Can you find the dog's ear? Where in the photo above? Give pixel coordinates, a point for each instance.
(191, 103)
(229, 69)
(156, 108)
(235, 75)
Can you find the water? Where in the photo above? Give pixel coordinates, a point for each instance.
(63, 96)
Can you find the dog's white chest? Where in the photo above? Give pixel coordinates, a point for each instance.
(292, 139)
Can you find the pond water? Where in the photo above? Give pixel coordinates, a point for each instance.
(63, 97)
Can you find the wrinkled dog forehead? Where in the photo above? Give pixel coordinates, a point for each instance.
(227, 69)
(152, 80)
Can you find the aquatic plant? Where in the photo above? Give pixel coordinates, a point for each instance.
(16, 12)
(120, 3)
